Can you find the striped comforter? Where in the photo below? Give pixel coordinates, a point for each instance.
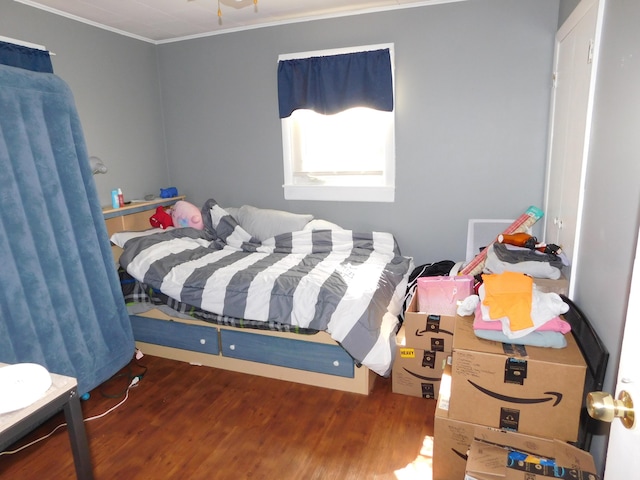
(348, 284)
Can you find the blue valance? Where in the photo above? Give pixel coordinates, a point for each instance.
(335, 83)
(27, 58)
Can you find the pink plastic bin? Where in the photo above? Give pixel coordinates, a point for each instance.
(440, 295)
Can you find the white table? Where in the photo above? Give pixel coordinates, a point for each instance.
(62, 395)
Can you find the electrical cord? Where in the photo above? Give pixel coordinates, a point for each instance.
(134, 380)
(127, 374)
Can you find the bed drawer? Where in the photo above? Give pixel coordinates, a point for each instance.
(285, 352)
(175, 334)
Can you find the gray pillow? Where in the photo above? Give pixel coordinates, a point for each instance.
(233, 211)
(264, 223)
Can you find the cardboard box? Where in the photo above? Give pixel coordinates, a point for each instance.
(488, 458)
(454, 453)
(440, 295)
(532, 390)
(451, 438)
(428, 331)
(416, 372)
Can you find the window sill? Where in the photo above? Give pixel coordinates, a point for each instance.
(339, 193)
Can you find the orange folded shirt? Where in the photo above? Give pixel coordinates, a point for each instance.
(509, 294)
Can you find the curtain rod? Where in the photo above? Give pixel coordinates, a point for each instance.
(24, 44)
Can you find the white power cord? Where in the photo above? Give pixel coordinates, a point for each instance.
(134, 383)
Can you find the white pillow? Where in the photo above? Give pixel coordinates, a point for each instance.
(263, 223)
(319, 224)
(121, 238)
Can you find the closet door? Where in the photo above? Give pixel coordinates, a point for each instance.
(572, 103)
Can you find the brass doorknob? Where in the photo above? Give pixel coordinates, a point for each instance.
(602, 406)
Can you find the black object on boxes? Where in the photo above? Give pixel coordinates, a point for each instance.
(596, 356)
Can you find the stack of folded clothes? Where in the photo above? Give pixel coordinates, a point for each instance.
(502, 257)
(509, 309)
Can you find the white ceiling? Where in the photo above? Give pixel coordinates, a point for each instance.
(159, 21)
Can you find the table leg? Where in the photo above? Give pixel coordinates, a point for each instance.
(78, 437)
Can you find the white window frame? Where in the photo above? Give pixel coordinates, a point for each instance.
(349, 192)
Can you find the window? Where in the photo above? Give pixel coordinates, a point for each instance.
(336, 148)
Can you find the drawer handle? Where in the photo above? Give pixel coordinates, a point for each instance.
(232, 347)
(336, 363)
(202, 341)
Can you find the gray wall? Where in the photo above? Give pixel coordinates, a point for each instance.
(612, 193)
(472, 85)
(566, 7)
(116, 87)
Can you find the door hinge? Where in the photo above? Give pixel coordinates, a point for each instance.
(554, 79)
(590, 53)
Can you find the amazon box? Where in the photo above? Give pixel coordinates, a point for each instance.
(428, 331)
(416, 372)
(451, 438)
(497, 455)
(532, 390)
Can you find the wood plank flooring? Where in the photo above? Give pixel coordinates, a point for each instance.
(189, 422)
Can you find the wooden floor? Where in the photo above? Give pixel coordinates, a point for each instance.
(190, 422)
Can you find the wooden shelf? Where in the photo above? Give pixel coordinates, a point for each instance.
(134, 207)
(133, 217)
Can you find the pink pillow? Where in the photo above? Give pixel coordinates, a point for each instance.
(185, 214)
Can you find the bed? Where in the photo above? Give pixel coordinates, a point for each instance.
(316, 305)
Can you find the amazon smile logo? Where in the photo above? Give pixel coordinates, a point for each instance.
(463, 456)
(556, 397)
(420, 333)
(422, 377)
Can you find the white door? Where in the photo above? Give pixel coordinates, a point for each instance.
(571, 110)
(623, 454)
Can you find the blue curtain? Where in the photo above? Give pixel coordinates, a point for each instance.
(24, 57)
(61, 305)
(335, 83)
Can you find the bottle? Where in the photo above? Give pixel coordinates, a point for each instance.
(115, 201)
(521, 239)
(120, 198)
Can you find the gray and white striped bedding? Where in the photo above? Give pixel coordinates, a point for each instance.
(348, 284)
